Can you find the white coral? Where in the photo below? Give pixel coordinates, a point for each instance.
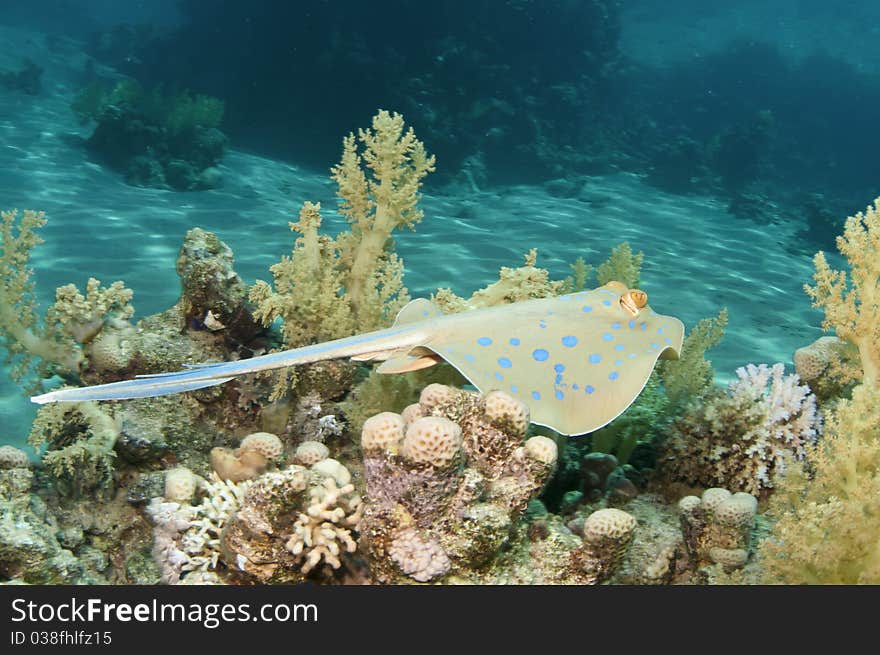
(323, 532)
(187, 537)
(786, 415)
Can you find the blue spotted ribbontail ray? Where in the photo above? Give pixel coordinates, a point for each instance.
(578, 360)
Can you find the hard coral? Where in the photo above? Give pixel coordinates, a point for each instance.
(444, 499)
(718, 527)
(745, 438)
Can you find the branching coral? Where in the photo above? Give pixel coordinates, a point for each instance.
(622, 265)
(852, 305)
(828, 525)
(329, 288)
(73, 319)
(187, 537)
(745, 438)
(513, 285)
(690, 376)
(81, 437)
(324, 530)
(379, 188)
(308, 287)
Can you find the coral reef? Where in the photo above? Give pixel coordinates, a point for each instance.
(80, 456)
(607, 536)
(718, 527)
(157, 140)
(851, 303)
(744, 438)
(54, 343)
(445, 489)
(691, 375)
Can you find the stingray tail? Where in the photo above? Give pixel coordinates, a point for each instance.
(199, 376)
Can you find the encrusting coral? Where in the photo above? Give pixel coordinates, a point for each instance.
(745, 438)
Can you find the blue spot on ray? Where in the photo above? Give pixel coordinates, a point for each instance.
(631, 324)
(618, 362)
(595, 358)
(514, 389)
(540, 355)
(607, 303)
(574, 386)
(559, 395)
(514, 341)
(504, 362)
(498, 376)
(589, 388)
(469, 358)
(559, 368)
(536, 395)
(484, 341)
(607, 337)
(587, 308)
(569, 341)
(619, 346)
(616, 326)
(613, 375)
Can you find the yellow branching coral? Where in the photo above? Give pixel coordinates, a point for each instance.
(379, 188)
(74, 319)
(852, 308)
(513, 285)
(689, 376)
(828, 526)
(622, 265)
(828, 514)
(308, 293)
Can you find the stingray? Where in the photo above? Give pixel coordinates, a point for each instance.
(577, 360)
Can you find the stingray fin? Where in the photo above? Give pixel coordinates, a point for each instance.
(420, 309)
(407, 363)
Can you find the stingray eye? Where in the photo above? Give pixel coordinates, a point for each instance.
(639, 297)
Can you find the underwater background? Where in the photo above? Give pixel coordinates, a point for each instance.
(727, 141)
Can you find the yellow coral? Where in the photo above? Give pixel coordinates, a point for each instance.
(513, 285)
(622, 265)
(828, 526)
(74, 319)
(828, 523)
(308, 292)
(852, 307)
(691, 374)
(378, 203)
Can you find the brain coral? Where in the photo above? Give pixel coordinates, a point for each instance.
(310, 452)
(433, 440)
(265, 443)
(13, 458)
(383, 431)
